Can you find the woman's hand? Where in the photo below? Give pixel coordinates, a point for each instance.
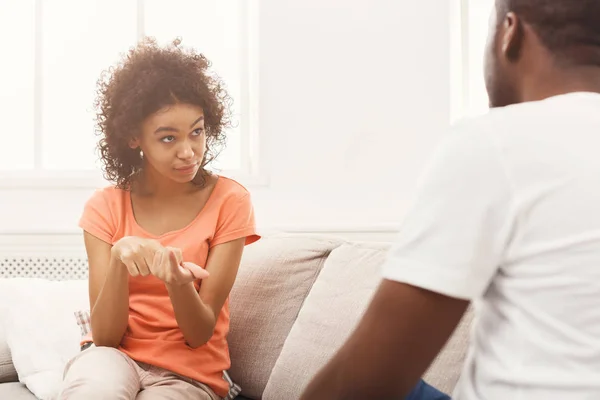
(136, 253)
(168, 266)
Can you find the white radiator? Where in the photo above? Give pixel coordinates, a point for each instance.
(55, 268)
(55, 257)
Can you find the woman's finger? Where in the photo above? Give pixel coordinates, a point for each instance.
(184, 275)
(156, 261)
(197, 271)
(131, 267)
(181, 275)
(164, 268)
(142, 266)
(126, 258)
(175, 264)
(177, 253)
(173, 259)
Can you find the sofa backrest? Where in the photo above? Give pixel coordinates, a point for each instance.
(332, 308)
(295, 300)
(275, 276)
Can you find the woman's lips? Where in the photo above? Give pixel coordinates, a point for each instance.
(187, 169)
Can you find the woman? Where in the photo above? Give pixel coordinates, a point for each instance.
(165, 242)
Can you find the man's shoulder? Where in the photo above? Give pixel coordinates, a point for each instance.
(511, 122)
(494, 121)
(468, 138)
(500, 127)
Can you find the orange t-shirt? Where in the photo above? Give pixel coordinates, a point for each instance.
(152, 334)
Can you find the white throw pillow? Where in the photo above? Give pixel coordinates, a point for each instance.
(41, 330)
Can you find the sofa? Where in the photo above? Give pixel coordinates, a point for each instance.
(295, 301)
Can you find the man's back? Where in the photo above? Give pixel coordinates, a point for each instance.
(538, 329)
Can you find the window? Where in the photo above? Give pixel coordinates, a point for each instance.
(469, 31)
(58, 49)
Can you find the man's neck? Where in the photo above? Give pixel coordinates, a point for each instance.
(554, 82)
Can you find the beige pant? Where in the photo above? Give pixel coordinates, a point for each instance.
(107, 373)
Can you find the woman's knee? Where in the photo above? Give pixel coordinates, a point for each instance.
(100, 373)
(94, 390)
(95, 354)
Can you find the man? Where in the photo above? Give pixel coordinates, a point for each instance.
(508, 216)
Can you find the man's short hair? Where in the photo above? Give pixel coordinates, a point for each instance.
(570, 29)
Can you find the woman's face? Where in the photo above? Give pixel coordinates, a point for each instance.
(173, 141)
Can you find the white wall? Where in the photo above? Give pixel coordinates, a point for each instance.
(353, 96)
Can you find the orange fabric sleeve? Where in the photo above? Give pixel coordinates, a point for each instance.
(236, 220)
(97, 218)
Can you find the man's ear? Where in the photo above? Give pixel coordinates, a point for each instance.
(512, 36)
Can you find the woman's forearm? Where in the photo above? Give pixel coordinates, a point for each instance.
(195, 319)
(109, 315)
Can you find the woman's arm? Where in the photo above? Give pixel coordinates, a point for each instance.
(197, 313)
(108, 291)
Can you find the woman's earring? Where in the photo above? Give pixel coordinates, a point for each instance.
(141, 154)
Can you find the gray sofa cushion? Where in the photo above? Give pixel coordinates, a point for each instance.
(275, 276)
(329, 314)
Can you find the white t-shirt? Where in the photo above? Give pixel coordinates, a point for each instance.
(508, 216)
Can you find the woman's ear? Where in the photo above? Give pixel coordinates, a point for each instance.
(134, 143)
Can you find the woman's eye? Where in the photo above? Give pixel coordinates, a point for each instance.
(167, 139)
(198, 131)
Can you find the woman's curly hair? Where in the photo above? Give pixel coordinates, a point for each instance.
(146, 79)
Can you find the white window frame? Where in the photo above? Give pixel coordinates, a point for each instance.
(460, 71)
(253, 171)
(459, 58)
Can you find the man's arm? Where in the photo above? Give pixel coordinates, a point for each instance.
(399, 336)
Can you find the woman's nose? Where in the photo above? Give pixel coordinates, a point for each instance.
(185, 152)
